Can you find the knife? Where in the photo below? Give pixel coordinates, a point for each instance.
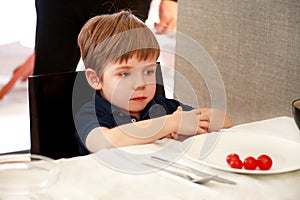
(195, 171)
(185, 176)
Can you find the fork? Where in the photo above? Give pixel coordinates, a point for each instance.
(195, 171)
(185, 176)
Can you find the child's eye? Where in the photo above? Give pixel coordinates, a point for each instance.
(149, 72)
(124, 74)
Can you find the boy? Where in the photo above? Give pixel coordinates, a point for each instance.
(120, 53)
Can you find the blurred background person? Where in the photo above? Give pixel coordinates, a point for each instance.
(59, 23)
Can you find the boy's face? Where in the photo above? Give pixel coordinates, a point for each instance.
(129, 85)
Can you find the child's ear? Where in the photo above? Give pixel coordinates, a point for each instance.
(93, 79)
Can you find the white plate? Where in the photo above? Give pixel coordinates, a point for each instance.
(284, 153)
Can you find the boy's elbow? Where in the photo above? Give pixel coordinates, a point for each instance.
(97, 141)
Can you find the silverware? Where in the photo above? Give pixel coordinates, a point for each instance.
(185, 176)
(195, 171)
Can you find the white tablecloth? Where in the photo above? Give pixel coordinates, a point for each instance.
(87, 178)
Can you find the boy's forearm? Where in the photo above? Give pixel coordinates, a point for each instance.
(141, 132)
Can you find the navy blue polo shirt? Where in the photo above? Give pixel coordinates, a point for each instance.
(102, 113)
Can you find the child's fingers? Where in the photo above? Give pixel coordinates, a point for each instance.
(179, 108)
(204, 117)
(204, 124)
(201, 131)
(174, 135)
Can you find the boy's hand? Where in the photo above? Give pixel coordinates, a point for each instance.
(191, 122)
(172, 136)
(217, 119)
(199, 121)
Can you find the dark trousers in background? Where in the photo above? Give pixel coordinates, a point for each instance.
(59, 23)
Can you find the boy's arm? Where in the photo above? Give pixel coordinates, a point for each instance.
(141, 132)
(196, 121)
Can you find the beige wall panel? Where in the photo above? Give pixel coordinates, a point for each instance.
(256, 48)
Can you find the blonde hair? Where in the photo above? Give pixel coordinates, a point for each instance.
(115, 38)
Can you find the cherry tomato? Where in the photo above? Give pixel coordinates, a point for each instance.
(250, 163)
(264, 162)
(231, 156)
(236, 163)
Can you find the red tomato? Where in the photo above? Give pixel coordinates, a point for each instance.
(231, 157)
(264, 162)
(236, 163)
(250, 163)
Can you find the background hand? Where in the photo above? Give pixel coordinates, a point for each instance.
(167, 16)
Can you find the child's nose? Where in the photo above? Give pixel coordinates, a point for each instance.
(140, 83)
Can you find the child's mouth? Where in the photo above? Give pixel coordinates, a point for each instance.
(138, 99)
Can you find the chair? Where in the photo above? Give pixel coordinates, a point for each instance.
(52, 102)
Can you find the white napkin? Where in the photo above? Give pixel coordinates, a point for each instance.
(131, 159)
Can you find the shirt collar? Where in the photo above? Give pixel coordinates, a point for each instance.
(152, 110)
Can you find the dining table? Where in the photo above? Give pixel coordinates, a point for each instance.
(124, 173)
